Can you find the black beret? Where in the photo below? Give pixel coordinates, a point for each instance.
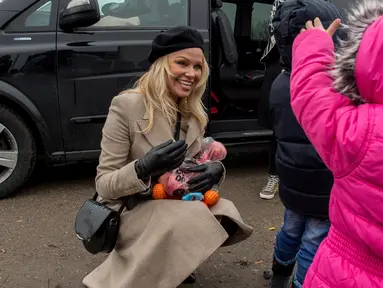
(175, 39)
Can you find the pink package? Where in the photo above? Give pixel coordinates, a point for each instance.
(176, 181)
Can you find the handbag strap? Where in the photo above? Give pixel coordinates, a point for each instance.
(177, 129)
(119, 210)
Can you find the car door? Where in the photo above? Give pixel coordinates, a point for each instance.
(254, 34)
(96, 63)
(28, 63)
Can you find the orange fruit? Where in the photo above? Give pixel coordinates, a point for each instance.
(211, 197)
(159, 191)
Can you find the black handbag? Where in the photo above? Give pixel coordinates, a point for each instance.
(97, 226)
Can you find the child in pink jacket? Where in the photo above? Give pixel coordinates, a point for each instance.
(341, 112)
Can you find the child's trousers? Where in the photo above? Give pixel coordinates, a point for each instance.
(299, 240)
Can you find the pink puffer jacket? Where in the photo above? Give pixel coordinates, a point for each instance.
(349, 138)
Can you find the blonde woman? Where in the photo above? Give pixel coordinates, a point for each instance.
(161, 242)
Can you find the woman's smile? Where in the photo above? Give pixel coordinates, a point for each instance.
(185, 84)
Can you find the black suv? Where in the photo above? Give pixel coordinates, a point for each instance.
(62, 61)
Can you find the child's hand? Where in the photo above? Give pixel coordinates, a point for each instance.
(318, 25)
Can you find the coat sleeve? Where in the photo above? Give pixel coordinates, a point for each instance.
(116, 175)
(335, 126)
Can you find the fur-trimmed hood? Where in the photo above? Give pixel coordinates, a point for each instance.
(358, 71)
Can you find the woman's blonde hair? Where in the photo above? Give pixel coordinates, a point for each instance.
(153, 86)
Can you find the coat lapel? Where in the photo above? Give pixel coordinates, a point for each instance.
(192, 131)
(160, 131)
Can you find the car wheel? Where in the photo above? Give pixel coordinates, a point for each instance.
(17, 151)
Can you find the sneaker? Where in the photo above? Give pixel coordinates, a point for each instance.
(268, 192)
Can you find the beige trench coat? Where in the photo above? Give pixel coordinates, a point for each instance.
(160, 242)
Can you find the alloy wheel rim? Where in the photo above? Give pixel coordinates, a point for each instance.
(9, 153)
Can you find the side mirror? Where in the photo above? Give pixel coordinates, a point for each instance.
(79, 13)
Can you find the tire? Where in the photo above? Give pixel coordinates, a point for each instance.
(15, 136)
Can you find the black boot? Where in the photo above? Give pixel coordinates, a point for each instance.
(281, 275)
(190, 280)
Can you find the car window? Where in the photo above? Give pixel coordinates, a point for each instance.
(230, 10)
(260, 21)
(38, 18)
(142, 13)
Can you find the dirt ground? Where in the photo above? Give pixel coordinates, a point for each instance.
(38, 248)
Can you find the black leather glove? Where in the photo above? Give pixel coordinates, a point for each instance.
(211, 174)
(161, 159)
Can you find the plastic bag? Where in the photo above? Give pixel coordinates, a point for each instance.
(175, 182)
